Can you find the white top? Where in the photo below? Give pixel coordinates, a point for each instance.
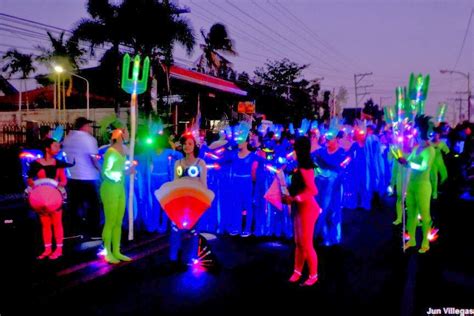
(81, 146)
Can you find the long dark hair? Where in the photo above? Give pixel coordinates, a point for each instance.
(302, 148)
(183, 140)
(424, 125)
(46, 144)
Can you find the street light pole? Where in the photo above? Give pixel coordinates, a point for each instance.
(87, 92)
(60, 69)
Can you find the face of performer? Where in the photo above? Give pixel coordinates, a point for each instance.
(125, 135)
(53, 149)
(87, 128)
(332, 144)
(188, 147)
(254, 141)
(242, 145)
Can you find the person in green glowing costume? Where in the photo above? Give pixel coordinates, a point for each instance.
(399, 176)
(112, 193)
(439, 168)
(418, 196)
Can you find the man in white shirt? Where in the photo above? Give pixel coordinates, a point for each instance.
(84, 203)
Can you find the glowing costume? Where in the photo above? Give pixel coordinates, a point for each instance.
(438, 168)
(356, 184)
(280, 222)
(112, 193)
(162, 165)
(420, 162)
(398, 180)
(242, 183)
(307, 210)
(329, 181)
(51, 219)
(197, 172)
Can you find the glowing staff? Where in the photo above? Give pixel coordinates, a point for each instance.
(212, 156)
(134, 86)
(219, 151)
(290, 155)
(345, 162)
(389, 115)
(272, 168)
(418, 92)
(440, 117)
(400, 93)
(213, 166)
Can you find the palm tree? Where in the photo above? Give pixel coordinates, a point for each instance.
(217, 40)
(147, 27)
(16, 62)
(66, 53)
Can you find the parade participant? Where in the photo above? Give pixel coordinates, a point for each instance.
(400, 175)
(356, 185)
(302, 191)
(260, 209)
(330, 161)
(244, 166)
(42, 202)
(418, 197)
(112, 192)
(439, 168)
(161, 169)
(84, 203)
(189, 167)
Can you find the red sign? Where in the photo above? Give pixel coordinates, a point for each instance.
(246, 107)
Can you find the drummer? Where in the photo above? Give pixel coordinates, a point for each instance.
(51, 220)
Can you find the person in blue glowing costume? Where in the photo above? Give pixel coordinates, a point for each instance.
(330, 162)
(356, 185)
(161, 169)
(244, 166)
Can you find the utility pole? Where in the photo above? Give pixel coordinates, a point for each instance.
(468, 91)
(460, 107)
(357, 79)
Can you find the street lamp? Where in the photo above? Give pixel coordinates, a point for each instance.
(58, 69)
(444, 71)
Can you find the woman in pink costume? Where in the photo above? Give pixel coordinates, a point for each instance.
(306, 211)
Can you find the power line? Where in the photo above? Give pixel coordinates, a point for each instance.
(314, 39)
(33, 22)
(278, 34)
(289, 28)
(464, 39)
(295, 18)
(250, 36)
(357, 86)
(266, 35)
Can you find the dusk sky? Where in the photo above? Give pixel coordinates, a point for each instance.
(337, 38)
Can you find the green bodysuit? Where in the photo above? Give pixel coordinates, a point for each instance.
(112, 193)
(418, 200)
(438, 167)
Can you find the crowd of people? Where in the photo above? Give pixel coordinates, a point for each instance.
(326, 168)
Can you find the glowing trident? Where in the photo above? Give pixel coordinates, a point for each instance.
(133, 86)
(418, 92)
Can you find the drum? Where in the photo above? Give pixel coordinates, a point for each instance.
(45, 196)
